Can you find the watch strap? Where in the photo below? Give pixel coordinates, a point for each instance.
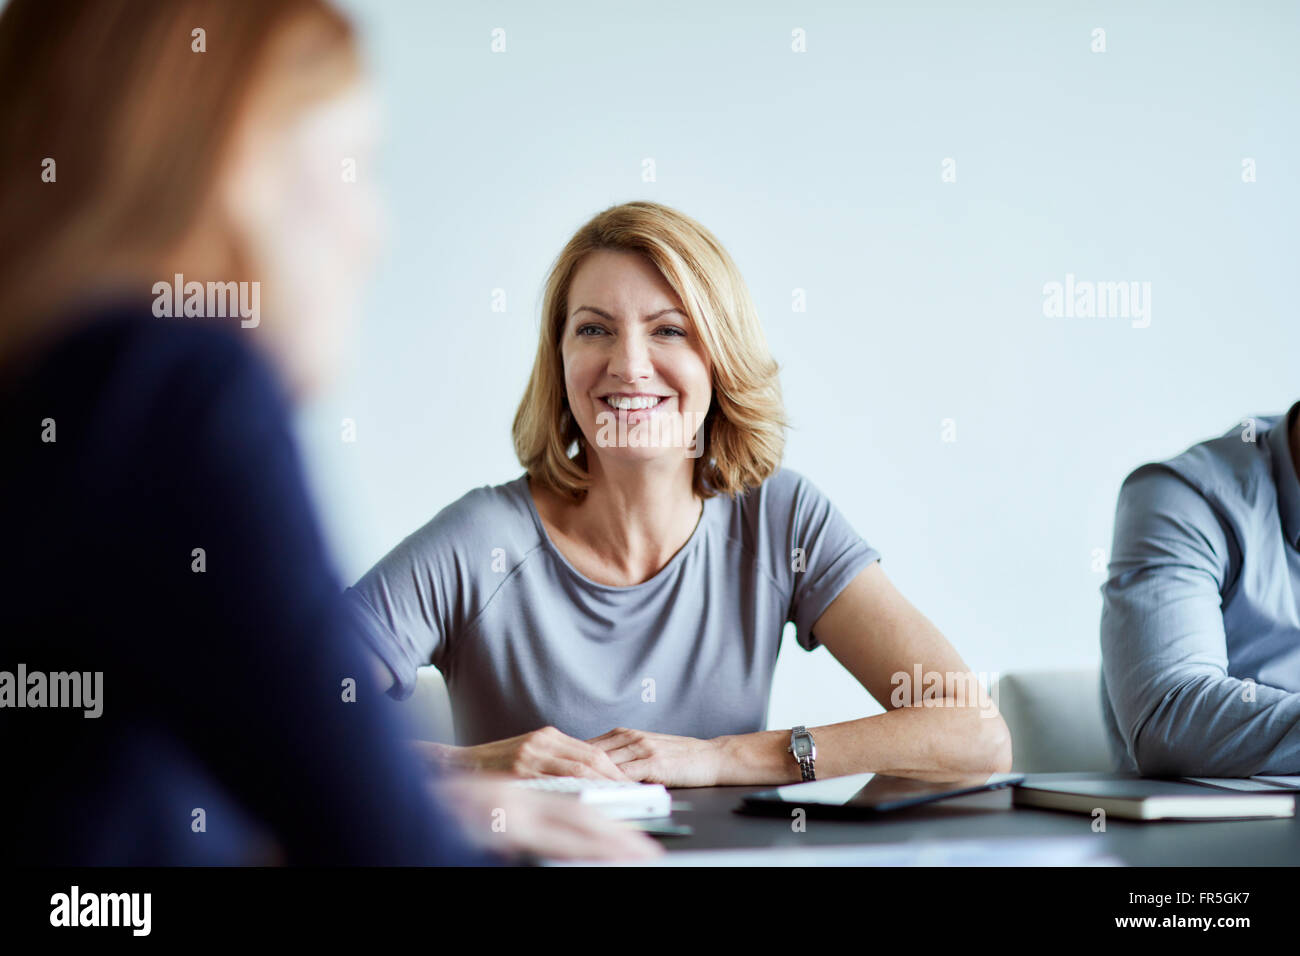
(806, 763)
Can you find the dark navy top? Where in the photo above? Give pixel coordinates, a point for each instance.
(223, 689)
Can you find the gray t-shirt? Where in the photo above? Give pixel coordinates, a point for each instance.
(524, 640)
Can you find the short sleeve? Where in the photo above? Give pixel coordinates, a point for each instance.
(823, 554)
(411, 605)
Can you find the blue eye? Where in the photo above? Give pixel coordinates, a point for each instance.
(671, 330)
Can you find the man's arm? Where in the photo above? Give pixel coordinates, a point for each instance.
(1164, 651)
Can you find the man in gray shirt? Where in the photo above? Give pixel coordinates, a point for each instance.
(1200, 627)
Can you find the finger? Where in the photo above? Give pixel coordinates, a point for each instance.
(641, 770)
(593, 758)
(624, 844)
(573, 767)
(580, 833)
(632, 750)
(554, 826)
(566, 844)
(612, 738)
(608, 766)
(558, 754)
(554, 755)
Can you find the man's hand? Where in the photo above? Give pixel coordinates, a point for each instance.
(510, 820)
(663, 758)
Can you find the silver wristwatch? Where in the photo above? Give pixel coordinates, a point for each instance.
(804, 750)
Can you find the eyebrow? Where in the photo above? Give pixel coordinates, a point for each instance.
(605, 315)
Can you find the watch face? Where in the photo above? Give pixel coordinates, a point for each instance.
(802, 747)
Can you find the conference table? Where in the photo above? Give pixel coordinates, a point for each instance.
(980, 828)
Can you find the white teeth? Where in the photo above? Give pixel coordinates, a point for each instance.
(629, 403)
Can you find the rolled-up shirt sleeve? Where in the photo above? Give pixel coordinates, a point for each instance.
(1164, 649)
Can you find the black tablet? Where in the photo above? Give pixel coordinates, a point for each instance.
(864, 795)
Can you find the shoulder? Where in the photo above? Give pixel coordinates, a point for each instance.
(135, 371)
(112, 335)
(786, 483)
(1221, 478)
(482, 520)
(133, 396)
(787, 511)
(1229, 467)
(783, 498)
(1200, 505)
(488, 507)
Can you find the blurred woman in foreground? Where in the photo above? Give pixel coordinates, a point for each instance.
(184, 238)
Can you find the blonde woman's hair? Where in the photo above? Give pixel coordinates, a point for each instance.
(744, 431)
(133, 108)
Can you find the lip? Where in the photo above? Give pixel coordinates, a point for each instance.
(633, 416)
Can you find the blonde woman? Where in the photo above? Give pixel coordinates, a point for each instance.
(158, 535)
(616, 611)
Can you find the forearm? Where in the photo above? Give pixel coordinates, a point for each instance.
(445, 756)
(1165, 642)
(933, 740)
(1217, 726)
(1177, 709)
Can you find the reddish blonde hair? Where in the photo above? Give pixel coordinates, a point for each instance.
(139, 125)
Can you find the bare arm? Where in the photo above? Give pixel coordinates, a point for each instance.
(940, 730)
(952, 728)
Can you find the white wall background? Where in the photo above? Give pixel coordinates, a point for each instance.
(821, 171)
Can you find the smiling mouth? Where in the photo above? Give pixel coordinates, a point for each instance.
(642, 403)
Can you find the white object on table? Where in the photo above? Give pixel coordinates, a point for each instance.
(619, 800)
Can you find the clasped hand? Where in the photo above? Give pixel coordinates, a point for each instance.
(619, 754)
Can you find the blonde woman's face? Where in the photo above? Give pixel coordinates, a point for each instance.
(638, 380)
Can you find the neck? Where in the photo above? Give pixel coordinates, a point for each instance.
(637, 515)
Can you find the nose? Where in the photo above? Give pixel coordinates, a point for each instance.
(630, 360)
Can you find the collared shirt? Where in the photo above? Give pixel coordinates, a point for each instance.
(1200, 627)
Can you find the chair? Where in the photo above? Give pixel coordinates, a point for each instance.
(1055, 720)
(427, 712)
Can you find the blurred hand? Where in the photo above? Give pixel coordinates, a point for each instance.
(545, 752)
(662, 758)
(511, 820)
